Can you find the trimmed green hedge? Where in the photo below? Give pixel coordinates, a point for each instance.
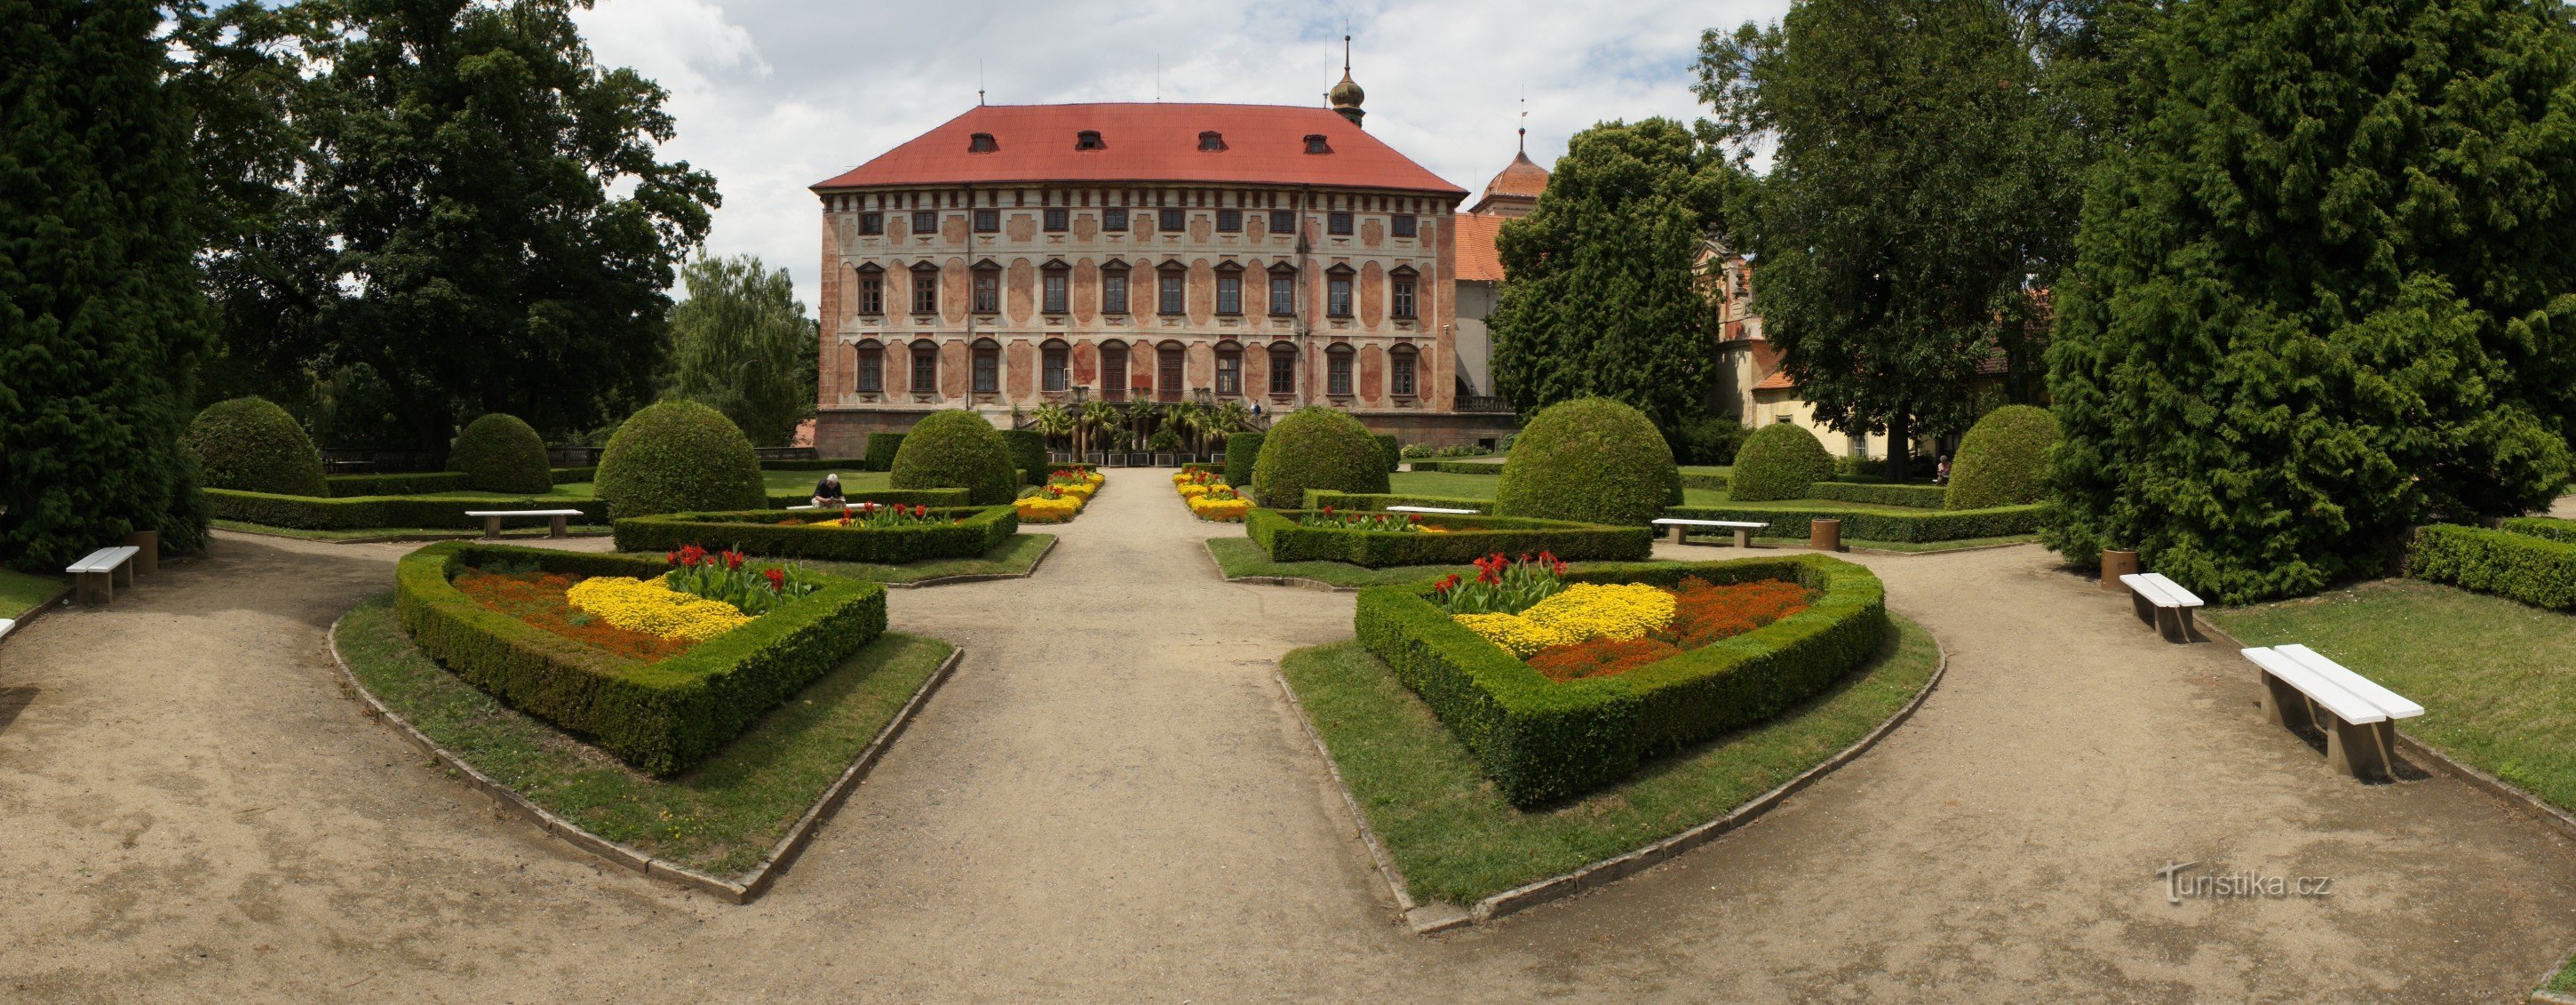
(881, 450)
(2534, 570)
(957, 448)
(1592, 460)
(1915, 496)
(251, 445)
(1319, 498)
(1876, 525)
(2004, 458)
(1242, 451)
(418, 483)
(1541, 741)
(1279, 533)
(1707, 478)
(499, 452)
(827, 464)
(1316, 448)
(365, 512)
(567, 476)
(978, 529)
(2549, 527)
(675, 456)
(1458, 467)
(1393, 449)
(1712, 440)
(933, 498)
(1778, 461)
(1028, 452)
(662, 718)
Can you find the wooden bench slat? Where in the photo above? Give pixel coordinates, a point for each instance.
(2389, 703)
(103, 560)
(2173, 590)
(2345, 705)
(2147, 588)
(1680, 522)
(1431, 509)
(522, 512)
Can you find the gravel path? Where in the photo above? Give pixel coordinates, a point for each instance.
(1110, 800)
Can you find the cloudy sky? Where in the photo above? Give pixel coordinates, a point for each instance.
(775, 95)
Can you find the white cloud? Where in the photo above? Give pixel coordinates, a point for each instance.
(772, 95)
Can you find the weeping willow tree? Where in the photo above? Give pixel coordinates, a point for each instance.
(742, 345)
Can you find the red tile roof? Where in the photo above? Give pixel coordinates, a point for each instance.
(1477, 261)
(1522, 177)
(1156, 142)
(1777, 381)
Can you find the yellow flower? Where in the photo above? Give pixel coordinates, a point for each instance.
(651, 606)
(1223, 510)
(1193, 491)
(1049, 510)
(1579, 613)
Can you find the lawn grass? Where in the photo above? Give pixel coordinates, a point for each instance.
(721, 817)
(20, 592)
(1456, 486)
(2497, 679)
(1456, 839)
(1015, 556)
(364, 533)
(1239, 557)
(2565, 982)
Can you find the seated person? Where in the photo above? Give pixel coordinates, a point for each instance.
(828, 492)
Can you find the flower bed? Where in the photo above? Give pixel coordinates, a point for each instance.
(359, 512)
(1541, 738)
(1791, 519)
(1066, 492)
(950, 532)
(1439, 540)
(660, 709)
(1208, 496)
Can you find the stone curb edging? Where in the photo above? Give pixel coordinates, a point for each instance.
(2550, 998)
(1436, 918)
(752, 884)
(983, 577)
(462, 535)
(43, 607)
(1296, 581)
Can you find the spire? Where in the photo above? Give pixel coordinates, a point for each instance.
(1346, 96)
(1524, 141)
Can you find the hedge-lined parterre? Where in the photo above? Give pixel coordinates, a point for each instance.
(2512, 563)
(660, 718)
(2549, 527)
(1457, 540)
(1881, 493)
(1922, 527)
(363, 512)
(417, 483)
(1542, 740)
(961, 532)
(1320, 498)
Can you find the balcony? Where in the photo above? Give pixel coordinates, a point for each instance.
(1483, 403)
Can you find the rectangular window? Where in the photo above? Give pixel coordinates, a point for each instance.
(1402, 224)
(1114, 219)
(1057, 378)
(925, 221)
(988, 221)
(871, 294)
(925, 369)
(1401, 374)
(1401, 300)
(1058, 219)
(1338, 224)
(988, 291)
(1283, 371)
(1229, 220)
(925, 292)
(1229, 372)
(1057, 284)
(1113, 293)
(871, 224)
(1113, 372)
(1283, 295)
(988, 371)
(872, 371)
(1229, 294)
(1170, 293)
(1173, 221)
(1337, 296)
(1337, 374)
(1283, 221)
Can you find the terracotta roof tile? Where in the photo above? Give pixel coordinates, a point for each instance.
(1777, 381)
(1147, 142)
(1477, 260)
(1522, 177)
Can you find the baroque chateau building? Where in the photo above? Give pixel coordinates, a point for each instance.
(1020, 255)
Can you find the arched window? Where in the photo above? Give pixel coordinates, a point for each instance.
(1337, 371)
(1053, 357)
(1113, 287)
(1401, 363)
(988, 366)
(1400, 299)
(925, 367)
(869, 371)
(1229, 369)
(871, 290)
(1283, 368)
(1113, 370)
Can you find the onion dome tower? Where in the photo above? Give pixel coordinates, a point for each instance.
(1345, 97)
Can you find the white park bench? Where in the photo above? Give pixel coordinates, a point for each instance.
(554, 519)
(5, 625)
(95, 578)
(1743, 528)
(2163, 603)
(1431, 509)
(2302, 688)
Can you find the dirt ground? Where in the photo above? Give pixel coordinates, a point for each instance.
(1111, 801)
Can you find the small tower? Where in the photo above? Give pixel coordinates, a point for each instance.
(1346, 96)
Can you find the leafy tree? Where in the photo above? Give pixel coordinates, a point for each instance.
(742, 345)
(1920, 193)
(101, 320)
(458, 179)
(2325, 290)
(1600, 295)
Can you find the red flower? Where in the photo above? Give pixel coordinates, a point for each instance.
(921, 510)
(1328, 511)
(733, 559)
(1446, 583)
(777, 578)
(692, 555)
(1413, 518)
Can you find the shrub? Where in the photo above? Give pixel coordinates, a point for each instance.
(1541, 740)
(2549, 527)
(1316, 448)
(1028, 453)
(499, 453)
(1320, 498)
(1470, 538)
(882, 448)
(676, 456)
(1922, 527)
(1778, 461)
(978, 529)
(1708, 441)
(957, 448)
(251, 445)
(820, 464)
(367, 512)
(1706, 478)
(1242, 451)
(567, 476)
(1166, 440)
(1389, 446)
(1590, 460)
(661, 718)
(1916, 496)
(1460, 467)
(2003, 461)
(2534, 570)
(418, 483)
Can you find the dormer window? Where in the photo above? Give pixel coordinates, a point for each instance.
(1315, 144)
(1211, 140)
(982, 143)
(1088, 139)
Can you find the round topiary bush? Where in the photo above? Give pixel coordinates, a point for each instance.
(1316, 448)
(1778, 461)
(2003, 459)
(1028, 451)
(957, 448)
(1591, 460)
(499, 453)
(678, 457)
(252, 445)
(1242, 451)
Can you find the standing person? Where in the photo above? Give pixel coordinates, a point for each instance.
(828, 491)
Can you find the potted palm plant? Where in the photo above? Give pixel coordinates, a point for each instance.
(1185, 417)
(1055, 423)
(1096, 417)
(1166, 442)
